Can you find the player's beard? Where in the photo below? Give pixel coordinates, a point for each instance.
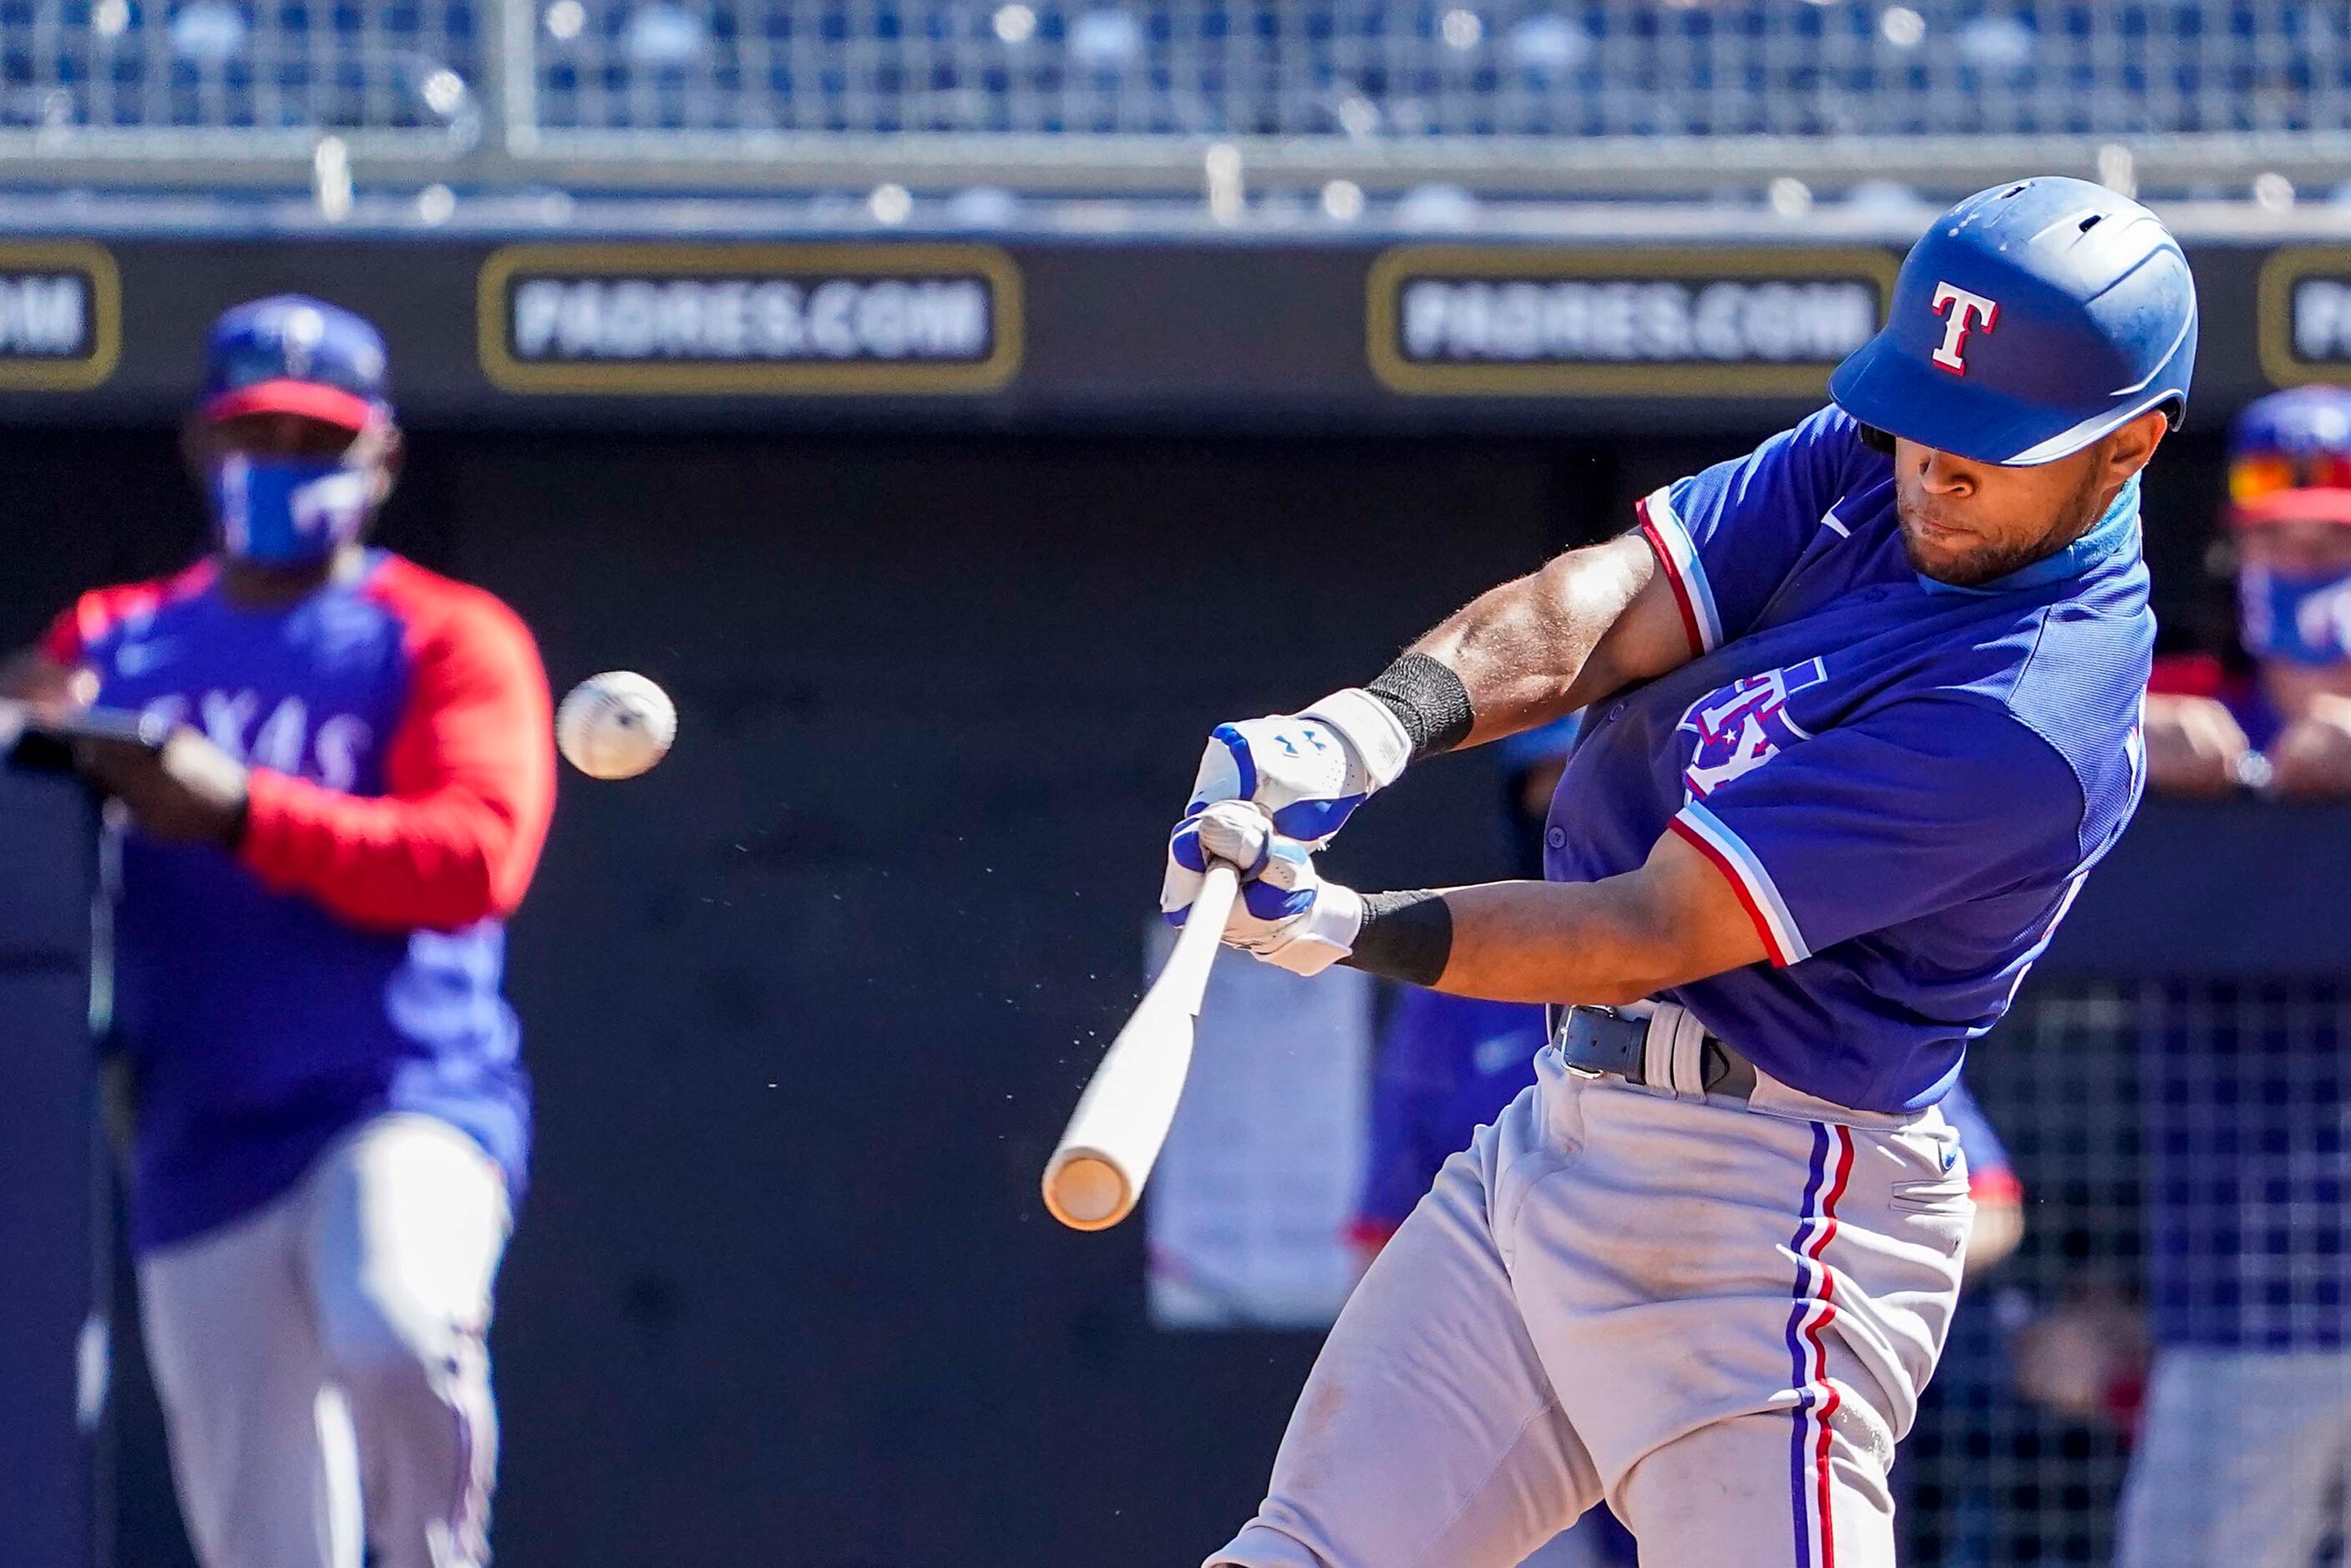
(1992, 559)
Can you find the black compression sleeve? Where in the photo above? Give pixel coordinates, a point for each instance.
(1428, 700)
(1405, 936)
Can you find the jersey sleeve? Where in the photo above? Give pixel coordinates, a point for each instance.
(470, 779)
(2188, 675)
(1727, 537)
(89, 619)
(65, 642)
(1930, 803)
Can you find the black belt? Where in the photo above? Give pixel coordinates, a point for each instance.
(1600, 1039)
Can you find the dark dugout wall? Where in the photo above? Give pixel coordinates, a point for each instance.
(808, 1005)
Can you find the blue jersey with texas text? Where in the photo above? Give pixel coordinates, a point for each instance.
(263, 1026)
(1905, 781)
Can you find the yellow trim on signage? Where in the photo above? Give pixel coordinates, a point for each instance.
(1389, 272)
(771, 378)
(2273, 312)
(33, 374)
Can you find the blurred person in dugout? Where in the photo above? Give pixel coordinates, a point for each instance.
(2278, 718)
(2243, 1448)
(1448, 1065)
(325, 1117)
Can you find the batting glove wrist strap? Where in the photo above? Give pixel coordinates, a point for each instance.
(1428, 701)
(1377, 739)
(1320, 938)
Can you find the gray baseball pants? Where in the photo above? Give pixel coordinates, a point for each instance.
(324, 1377)
(1716, 1315)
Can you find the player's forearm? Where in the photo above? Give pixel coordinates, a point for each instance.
(31, 675)
(1541, 646)
(1602, 943)
(439, 863)
(1674, 919)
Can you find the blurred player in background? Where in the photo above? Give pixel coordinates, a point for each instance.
(330, 1118)
(2284, 725)
(2244, 1446)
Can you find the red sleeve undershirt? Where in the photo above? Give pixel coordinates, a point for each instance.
(62, 643)
(1998, 1185)
(99, 611)
(469, 776)
(2188, 675)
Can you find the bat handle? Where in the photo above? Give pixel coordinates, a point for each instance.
(1195, 953)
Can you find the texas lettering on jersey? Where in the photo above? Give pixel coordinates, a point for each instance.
(328, 752)
(1739, 727)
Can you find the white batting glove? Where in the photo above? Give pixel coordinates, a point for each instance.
(1308, 771)
(1286, 915)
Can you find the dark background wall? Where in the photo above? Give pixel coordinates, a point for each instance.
(809, 1003)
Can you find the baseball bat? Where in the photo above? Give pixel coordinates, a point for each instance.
(40, 739)
(1098, 1170)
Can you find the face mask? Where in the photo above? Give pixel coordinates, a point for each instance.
(2301, 618)
(288, 511)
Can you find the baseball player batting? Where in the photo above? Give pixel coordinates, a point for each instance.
(330, 1119)
(1863, 713)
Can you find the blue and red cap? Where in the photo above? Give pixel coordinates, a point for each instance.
(2289, 458)
(291, 354)
(2029, 321)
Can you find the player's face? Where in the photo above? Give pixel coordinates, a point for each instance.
(1967, 523)
(275, 436)
(2299, 548)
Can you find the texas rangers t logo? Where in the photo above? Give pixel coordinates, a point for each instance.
(1744, 725)
(1961, 310)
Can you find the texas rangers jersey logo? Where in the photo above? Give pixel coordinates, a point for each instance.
(1961, 312)
(326, 748)
(1741, 726)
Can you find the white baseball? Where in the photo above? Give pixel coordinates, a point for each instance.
(615, 725)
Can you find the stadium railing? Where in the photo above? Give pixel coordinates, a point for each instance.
(1542, 96)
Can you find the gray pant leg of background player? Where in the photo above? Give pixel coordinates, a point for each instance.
(261, 1446)
(2243, 1457)
(359, 1303)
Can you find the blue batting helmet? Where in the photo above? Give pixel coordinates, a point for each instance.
(2031, 320)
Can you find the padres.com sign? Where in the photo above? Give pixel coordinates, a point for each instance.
(60, 315)
(1523, 321)
(914, 320)
(2305, 315)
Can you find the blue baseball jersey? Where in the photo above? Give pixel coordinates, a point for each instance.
(345, 960)
(1904, 781)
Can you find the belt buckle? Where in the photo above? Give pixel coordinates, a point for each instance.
(1565, 1022)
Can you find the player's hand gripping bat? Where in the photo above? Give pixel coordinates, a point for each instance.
(40, 738)
(1097, 1173)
